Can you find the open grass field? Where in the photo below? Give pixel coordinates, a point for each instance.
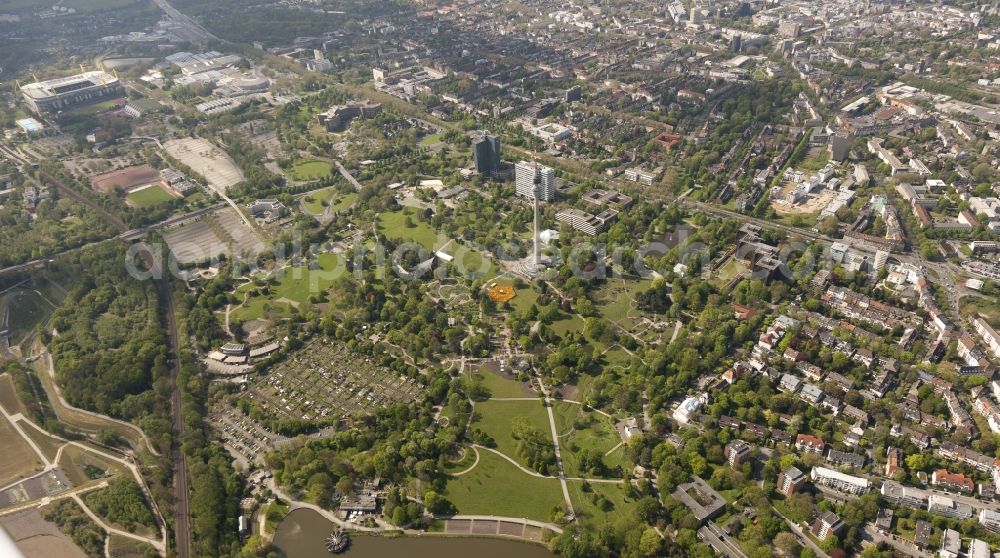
(149, 197)
(599, 502)
(292, 289)
(75, 463)
(46, 443)
(430, 139)
(501, 385)
(8, 396)
(614, 301)
(495, 487)
(393, 226)
(973, 306)
(495, 418)
(19, 460)
(572, 322)
(315, 201)
(579, 430)
(309, 170)
(462, 463)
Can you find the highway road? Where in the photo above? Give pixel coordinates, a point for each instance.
(196, 32)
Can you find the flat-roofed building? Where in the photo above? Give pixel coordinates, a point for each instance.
(839, 481)
(903, 496)
(942, 505)
(990, 520)
(524, 181)
(588, 223)
(68, 92)
(951, 544)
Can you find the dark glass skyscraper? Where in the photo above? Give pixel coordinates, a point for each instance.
(486, 153)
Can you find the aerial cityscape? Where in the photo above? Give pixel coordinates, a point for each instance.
(451, 278)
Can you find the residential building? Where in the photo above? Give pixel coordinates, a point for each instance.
(951, 544)
(979, 549)
(790, 481)
(853, 460)
(952, 481)
(737, 452)
(828, 523)
(942, 505)
(811, 444)
(990, 520)
(901, 495)
(989, 335)
(839, 481)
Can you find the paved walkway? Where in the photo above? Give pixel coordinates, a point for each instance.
(50, 464)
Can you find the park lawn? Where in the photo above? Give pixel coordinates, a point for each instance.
(617, 356)
(344, 202)
(602, 502)
(524, 299)
(570, 323)
(309, 170)
(48, 444)
(8, 396)
(19, 460)
(495, 487)
(495, 418)
(295, 284)
(74, 460)
(430, 140)
(27, 310)
(599, 435)
(470, 262)
(459, 465)
(393, 225)
(314, 201)
(614, 301)
(501, 386)
(149, 197)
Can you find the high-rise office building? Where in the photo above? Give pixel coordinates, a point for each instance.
(524, 175)
(486, 154)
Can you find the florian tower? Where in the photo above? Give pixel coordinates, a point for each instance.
(538, 185)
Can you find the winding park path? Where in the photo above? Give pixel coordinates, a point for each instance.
(527, 471)
(82, 418)
(15, 420)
